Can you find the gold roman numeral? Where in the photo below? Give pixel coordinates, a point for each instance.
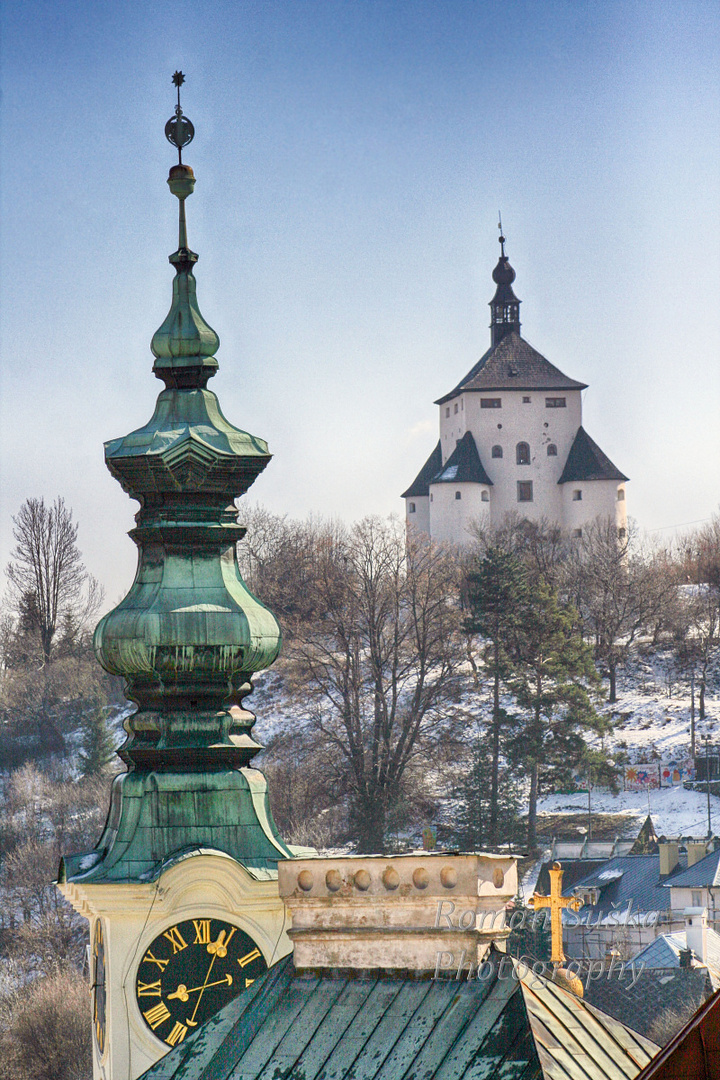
(249, 982)
(157, 1015)
(148, 958)
(177, 1034)
(249, 957)
(176, 939)
(202, 931)
(148, 989)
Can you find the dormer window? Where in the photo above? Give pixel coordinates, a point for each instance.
(496, 451)
(522, 453)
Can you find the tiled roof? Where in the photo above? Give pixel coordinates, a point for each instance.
(336, 1025)
(420, 485)
(665, 951)
(586, 461)
(626, 878)
(637, 1000)
(463, 466)
(694, 1053)
(513, 364)
(704, 873)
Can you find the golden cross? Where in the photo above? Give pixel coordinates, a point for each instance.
(556, 902)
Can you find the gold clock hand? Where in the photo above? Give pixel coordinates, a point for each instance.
(182, 993)
(213, 948)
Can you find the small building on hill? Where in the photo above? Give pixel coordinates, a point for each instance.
(512, 441)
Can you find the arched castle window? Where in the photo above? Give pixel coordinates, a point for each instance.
(552, 450)
(522, 453)
(496, 451)
(622, 533)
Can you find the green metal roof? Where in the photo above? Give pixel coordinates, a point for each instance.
(339, 1025)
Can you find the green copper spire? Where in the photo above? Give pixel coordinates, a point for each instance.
(189, 635)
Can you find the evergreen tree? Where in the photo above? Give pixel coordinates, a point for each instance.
(475, 827)
(554, 683)
(497, 596)
(97, 744)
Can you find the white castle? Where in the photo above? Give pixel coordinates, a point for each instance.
(512, 441)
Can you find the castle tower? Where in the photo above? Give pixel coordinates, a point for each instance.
(181, 890)
(512, 442)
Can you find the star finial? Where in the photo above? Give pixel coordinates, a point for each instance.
(178, 79)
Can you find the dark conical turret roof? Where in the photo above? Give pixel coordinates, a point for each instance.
(586, 461)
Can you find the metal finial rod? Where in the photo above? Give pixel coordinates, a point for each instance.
(179, 130)
(501, 238)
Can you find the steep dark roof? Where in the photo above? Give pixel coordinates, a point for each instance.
(586, 461)
(694, 1053)
(399, 1026)
(626, 878)
(704, 873)
(513, 364)
(573, 871)
(463, 466)
(638, 1000)
(420, 485)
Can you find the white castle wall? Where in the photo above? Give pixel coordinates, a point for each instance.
(450, 517)
(598, 499)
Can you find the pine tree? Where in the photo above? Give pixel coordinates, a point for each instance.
(555, 683)
(97, 744)
(497, 596)
(475, 827)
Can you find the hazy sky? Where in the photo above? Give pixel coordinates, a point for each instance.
(351, 157)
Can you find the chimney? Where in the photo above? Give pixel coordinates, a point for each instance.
(696, 931)
(403, 912)
(685, 958)
(669, 855)
(695, 852)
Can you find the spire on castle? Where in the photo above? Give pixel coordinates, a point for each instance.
(504, 306)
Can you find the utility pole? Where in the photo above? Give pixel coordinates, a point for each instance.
(706, 740)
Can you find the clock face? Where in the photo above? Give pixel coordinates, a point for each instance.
(190, 971)
(98, 952)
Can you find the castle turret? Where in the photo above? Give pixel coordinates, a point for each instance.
(504, 306)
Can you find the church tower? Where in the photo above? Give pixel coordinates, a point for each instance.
(181, 890)
(512, 442)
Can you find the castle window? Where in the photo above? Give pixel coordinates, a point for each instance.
(431, 498)
(484, 496)
(577, 532)
(552, 450)
(526, 401)
(490, 403)
(456, 406)
(447, 410)
(554, 402)
(522, 453)
(458, 494)
(577, 495)
(411, 508)
(524, 491)
(696, 897)
(496, 451)
(622, 533)
(621, 495)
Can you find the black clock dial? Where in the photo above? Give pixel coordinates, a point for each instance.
(98, 988)
(190, 971)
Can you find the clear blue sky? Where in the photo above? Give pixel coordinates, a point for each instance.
(351, 159)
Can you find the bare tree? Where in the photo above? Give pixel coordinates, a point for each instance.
(47, 578)
(378, 661)
(618, 590)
